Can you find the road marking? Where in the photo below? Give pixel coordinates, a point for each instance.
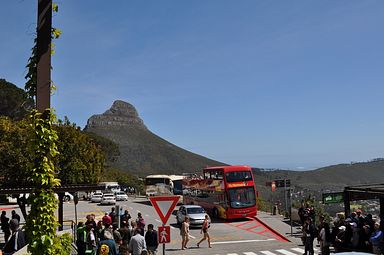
(267, 253)
(192, 237)
(245, 241)
(232, 254)
(157, 220)
(285, 252)
(249, 253)
(147, 215)
(298, 250)
(172, 227)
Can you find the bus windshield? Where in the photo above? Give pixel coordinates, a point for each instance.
(242, 197)
(238, 176)
(154, 181)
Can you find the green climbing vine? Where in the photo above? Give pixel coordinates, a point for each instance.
(41, 222)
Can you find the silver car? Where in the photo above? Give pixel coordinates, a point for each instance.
(108, 199)
(196, 214)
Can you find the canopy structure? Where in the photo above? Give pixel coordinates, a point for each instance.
(60, 192)
(364, 192)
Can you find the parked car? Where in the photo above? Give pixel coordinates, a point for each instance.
(67, 196)
(121, 196)
(108, 198)
(196, 214)
(96, 197)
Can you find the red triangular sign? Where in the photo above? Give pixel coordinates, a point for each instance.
(164, 206)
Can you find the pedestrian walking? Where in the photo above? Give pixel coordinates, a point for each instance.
(81, 238)
(151, 240)
(325, 238)
(184, 232)
(15, 216)
(140, 222)
(126, 237)
(377, 240)
(108, 245)
(137, 244)
(5, 225)
(91, 246)
(204, 230)
(309, 236)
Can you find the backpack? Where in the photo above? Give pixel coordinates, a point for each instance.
(104, 249)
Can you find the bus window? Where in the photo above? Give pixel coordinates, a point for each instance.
(238, 176)
(242, 197)
(207, 175)
(218, 175)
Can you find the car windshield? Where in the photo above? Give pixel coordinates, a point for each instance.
(238, 176)
(195, 210)
(121, 193)
(242, 197)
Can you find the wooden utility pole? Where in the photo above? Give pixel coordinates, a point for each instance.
(44, 27)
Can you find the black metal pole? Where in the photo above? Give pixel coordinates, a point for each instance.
(44, 27)
(163, 243)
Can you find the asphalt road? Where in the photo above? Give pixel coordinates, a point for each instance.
(247, 236)
(240, 237)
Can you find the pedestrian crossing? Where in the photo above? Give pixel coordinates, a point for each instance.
(288, 251)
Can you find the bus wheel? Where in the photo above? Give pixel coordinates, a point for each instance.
(215, 213)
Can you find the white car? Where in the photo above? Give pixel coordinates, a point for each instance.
(121, 196)
(108, 199)
(96, 197)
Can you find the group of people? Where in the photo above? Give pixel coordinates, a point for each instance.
(357, 232)
(14, 236)
(117, 234)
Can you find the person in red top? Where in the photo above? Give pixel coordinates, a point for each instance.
(107, 220)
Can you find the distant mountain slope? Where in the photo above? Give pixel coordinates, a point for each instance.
(142, 152)
(331, 178)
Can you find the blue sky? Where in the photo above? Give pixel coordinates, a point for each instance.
(278, 84)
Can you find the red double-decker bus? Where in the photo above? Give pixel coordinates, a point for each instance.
(227, 192)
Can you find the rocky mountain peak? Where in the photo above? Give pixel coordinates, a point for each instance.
(121, 114)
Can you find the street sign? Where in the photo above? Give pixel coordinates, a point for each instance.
(333, 198)
(164, 234)
(164, 206)
(283, 183)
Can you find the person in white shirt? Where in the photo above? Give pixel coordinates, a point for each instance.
(137, 243)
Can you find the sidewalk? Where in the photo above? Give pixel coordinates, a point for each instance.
(281, 226)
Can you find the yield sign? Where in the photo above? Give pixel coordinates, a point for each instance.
(164, 206)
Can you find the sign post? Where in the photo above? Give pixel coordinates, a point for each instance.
(164, 206)
(333, 198)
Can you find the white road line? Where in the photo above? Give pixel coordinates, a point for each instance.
(249, 253)
(267, 253)
(192, 237)
(285, 252)
(299, 250)
(157, 220)
(232, 254)
(245, 241)
(172, 227)
(147, 215)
